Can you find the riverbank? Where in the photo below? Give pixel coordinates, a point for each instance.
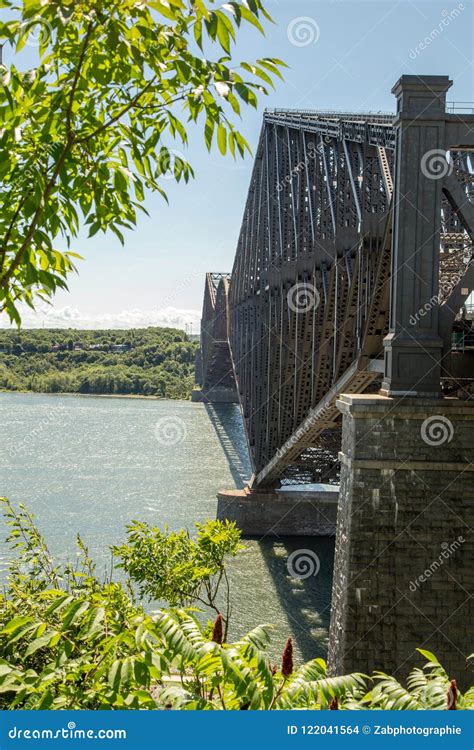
(151, 362)
(96, 395)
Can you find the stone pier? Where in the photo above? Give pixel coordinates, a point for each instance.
(215, 395)
(289, 511)
(403, 575)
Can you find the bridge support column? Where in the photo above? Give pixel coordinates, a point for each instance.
(413, 346)
(404, 550)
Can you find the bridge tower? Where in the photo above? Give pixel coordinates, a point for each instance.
(403, 576)
(214, 372)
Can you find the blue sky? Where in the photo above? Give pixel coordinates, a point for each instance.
(356, 52)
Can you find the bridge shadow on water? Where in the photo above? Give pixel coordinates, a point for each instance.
(301, 569)
(304, 600)
(227, 422)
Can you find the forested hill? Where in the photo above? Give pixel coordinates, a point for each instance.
(144, 361)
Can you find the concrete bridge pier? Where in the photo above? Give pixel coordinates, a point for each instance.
(403, 574)
(284, 511)
(215, 395)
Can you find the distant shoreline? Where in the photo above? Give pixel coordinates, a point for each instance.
(98, 395)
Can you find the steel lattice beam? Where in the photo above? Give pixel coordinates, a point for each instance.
(308, 299)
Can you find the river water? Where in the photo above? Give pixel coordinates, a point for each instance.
(91, 465)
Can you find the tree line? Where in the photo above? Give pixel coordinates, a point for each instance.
(146, 361)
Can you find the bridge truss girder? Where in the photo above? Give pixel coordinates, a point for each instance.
(313, 227)
(318, 218)
(215, 363)
(307, 308)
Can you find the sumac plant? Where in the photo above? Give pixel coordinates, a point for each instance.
(182, 570)
(70, 640)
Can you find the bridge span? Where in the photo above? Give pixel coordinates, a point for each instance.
(344, 331)
(305, 314)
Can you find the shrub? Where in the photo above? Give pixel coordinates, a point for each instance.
(69, 640)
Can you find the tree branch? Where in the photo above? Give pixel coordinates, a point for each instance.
(77, 75)
(6, 239)
(119, 115)
(4, 278)
(131, 105)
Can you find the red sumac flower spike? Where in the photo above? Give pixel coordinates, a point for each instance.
(287, 659)
(218, 630)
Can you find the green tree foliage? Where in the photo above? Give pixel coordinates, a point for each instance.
(69, 640)
(149, 362)
(92, 126)
(171, 565)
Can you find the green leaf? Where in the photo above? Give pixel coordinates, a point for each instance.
(428, 655)
(222, 138)
(73, 613)
(37, 644)
(16, 624)
(208, 133)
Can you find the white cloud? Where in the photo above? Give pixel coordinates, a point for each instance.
(70, 317)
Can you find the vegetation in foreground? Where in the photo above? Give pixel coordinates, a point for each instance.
(146, 362)
(95, 124)
(68, 640)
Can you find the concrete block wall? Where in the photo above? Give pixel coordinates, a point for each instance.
(280, 512)
(215, 395)
(404, 574)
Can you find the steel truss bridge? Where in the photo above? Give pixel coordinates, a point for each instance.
(358, 227)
